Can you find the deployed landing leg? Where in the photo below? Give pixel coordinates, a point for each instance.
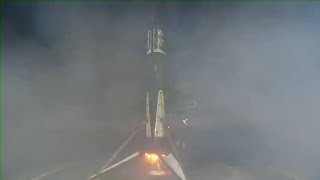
(174, 165)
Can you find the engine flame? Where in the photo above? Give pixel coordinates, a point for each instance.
(155, 164)
(151, 158)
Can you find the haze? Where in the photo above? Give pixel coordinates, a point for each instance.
(72, 81)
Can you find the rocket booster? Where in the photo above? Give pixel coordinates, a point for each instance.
(155, 81)
(155, 117)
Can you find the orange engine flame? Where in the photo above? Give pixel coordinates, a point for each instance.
(151, 158)
(155, 162)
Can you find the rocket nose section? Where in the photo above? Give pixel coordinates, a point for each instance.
(155, 43)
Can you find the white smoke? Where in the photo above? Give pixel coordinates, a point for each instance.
(253, 68)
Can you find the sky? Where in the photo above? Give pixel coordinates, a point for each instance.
(72, 76)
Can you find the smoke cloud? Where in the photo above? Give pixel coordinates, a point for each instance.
(73, 86)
